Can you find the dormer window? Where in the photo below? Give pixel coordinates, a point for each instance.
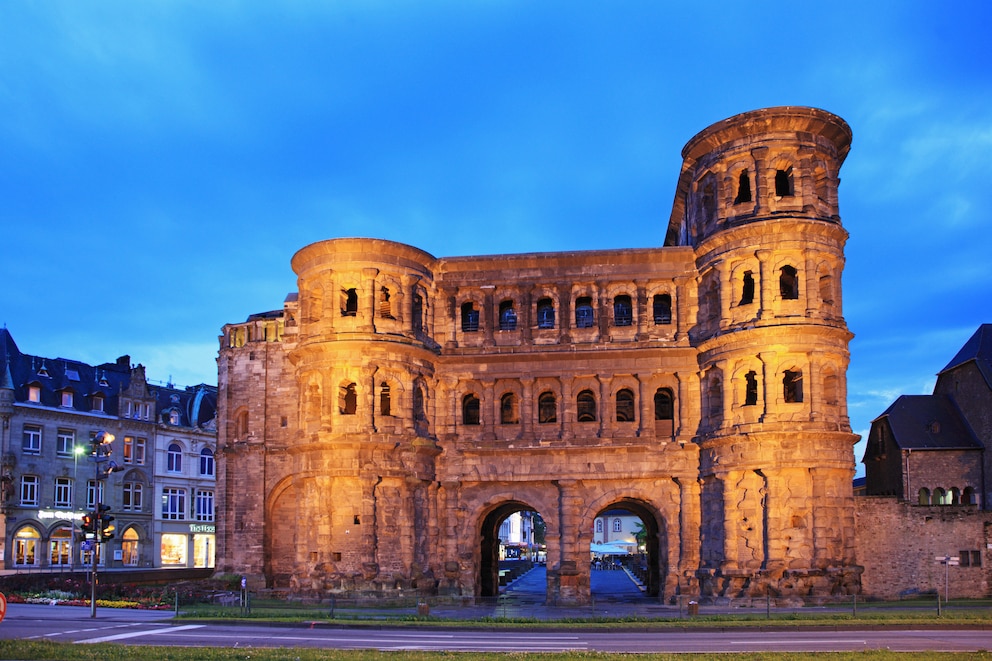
(97, 402)
(173, 417)
(67, 398)
(34, 393)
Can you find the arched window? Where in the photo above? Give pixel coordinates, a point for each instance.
(585, 403)
(349, 307)
(206, 462)
(60, 547)
(583, 312)
(623, 312)
(129, 548)
(617, 525)
(419, 399)
(241, 425)
(831, 389)
(783, 183)
(417, 323)
(385, 403)
(508, 410)
(788, 283)
(547, 407)
(792, 386)
(470, 409)
(664, 404)
(507, 316)
(968, 496)
(939, 496)
(174, 458)
(923, 497)
(826, 290)
(349, 399)
(385, 306)
(625, 405)
(954, 496)
(26, 543)
(470, 318)
(743, 188)
(714, 400)
(545, 313)
(599, 525)
(751, 388)
(662, 309)
(747, 288)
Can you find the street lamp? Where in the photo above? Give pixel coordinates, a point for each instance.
(77, 451)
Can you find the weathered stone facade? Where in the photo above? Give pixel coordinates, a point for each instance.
(376, 430)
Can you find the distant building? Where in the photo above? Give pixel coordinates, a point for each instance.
(51, 408)
(927, 472)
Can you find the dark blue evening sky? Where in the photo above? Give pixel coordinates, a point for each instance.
(162, 161)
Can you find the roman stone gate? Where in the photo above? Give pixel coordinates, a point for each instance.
(376, 430)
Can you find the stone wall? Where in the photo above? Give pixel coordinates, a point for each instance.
(898, 543)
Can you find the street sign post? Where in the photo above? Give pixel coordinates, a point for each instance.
(947, 561)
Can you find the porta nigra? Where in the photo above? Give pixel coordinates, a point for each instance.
(376, 430)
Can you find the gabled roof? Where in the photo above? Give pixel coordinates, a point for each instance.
(978, 349)
(928, 422)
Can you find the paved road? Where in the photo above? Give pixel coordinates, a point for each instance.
(73, 624)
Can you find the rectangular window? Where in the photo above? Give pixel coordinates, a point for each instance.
(132, 496)
(31, 443)
(34, 393)
(139, 451)
(29, 490)
(204, 505)
(128, 449)
(94, 489)
(65, 441)
(173, 504)
(67, 398)
(63, 492)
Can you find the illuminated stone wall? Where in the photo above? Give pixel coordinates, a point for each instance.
(376, 430)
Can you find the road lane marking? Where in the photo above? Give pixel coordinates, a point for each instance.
(135, 634)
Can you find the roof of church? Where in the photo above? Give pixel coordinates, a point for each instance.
(929, 422)
(978, 349)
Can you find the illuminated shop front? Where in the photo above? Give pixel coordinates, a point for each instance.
(193, 547)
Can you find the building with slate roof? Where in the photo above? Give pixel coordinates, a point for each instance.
(930, 449)
(924, 525)
(50, 409)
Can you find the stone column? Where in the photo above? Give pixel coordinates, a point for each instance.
(767, 359)
(527, 417)
(367, 312)
(573, 567)
(606, 416)
(681, 306)
(765, 292)
(490, 316)
(488, 410)
(690, 523)
(565, 313)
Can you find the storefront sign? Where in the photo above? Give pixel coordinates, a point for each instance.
(59, 514)
(202, 527)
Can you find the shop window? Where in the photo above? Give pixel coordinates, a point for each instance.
(583, 312)
(174, 549)
(129, 548)
(625, 405)
(547, 407)
(26, 543)
(470, 318)
(585, 403)
(792, 386)
(623, 311)
(508, 409)
(545, 313)
(507, 316)
(662, 308)
(60, 548)
(470, 410)
(747, 288)
(788, 281)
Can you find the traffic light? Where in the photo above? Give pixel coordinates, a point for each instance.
(88, 525)
(106, 525)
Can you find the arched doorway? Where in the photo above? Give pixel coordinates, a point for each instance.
(628, 536)
(512, 540)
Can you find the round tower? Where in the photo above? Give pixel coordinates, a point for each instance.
(364, 454)
(757, 201)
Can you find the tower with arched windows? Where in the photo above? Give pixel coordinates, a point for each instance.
(378, 429)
